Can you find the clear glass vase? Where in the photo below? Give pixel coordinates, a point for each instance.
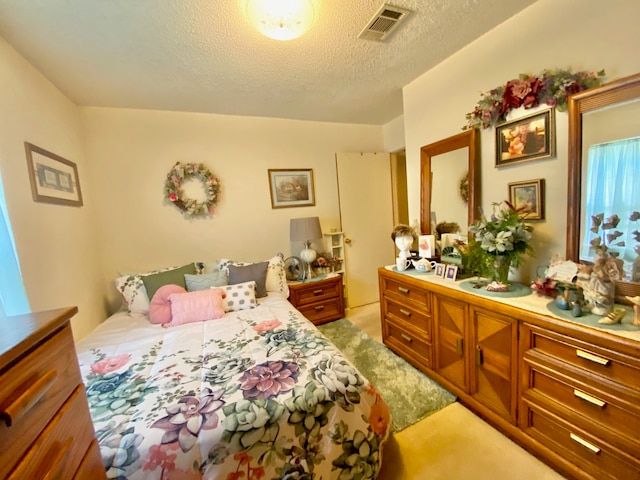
(500, 270)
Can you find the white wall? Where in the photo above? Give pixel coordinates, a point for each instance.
(56, 244)
(578, 34)
(132, 151)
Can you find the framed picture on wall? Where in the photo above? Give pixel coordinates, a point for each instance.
(291, 188)
(528, 196)
(53, 178)
(527, 138)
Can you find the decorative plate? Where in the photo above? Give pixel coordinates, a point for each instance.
(293, 268)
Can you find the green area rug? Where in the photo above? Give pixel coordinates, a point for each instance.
(409, 393)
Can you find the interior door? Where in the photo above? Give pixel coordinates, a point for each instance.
(366, 211)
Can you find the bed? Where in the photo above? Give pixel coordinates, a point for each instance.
(258, 393)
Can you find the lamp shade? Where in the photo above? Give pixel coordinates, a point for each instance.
(305, 229)
(281, 19)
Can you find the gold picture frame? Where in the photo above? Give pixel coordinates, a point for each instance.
(526, 138)
(53, 179)
(291, 188)
(528, 195)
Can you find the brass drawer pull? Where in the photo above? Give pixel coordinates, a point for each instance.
(406, 313)
(460, 346)
(28, 398)
(403, 289)
(479, 356)
(592, 358)
(588, 398)
(406, 337)
(584, 443)
(319, 307)
(317, 292)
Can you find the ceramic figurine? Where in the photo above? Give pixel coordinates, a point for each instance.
(636, 309)
(404, 236)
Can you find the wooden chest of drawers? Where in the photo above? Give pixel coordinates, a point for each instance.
(582, 401)
(45, 426)
(320, 301)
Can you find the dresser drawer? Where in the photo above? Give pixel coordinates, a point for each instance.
(404, 292)
(414, 317)
(412, 347)
(322, 312)
(59, 450)
(592, 454)
(592, 359)
(596, 407)
(32, 391)
(91, 466)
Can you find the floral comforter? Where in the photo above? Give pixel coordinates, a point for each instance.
(258, 394)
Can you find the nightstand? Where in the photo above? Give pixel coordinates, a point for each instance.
(319, 300)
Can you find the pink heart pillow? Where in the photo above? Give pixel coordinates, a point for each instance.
(196, 306)
(160, 306)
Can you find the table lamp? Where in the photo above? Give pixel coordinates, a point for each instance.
(306, 230)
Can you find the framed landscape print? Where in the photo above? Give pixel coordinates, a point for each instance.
(53, 178)
(528, 195)
(291, 188)
(527, 138)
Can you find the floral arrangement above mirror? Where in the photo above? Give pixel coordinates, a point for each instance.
(551, 87)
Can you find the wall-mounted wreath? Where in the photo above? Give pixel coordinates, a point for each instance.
(174, 192)
(464, 188)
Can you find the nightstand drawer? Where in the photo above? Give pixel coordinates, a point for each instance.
(318, 291)
(32, 391)
(593, 454)
(91, 466)
(59, 450)
(322, 312)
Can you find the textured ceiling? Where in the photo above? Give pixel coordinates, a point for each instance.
(203, 55)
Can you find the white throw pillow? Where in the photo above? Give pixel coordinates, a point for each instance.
(241, 296)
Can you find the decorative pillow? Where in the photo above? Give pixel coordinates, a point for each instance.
(241, 296)
(276, 280)
(256, 272)
(175, 277)
(196, 306)
(160, 306)
(132, 289)
(206, 280)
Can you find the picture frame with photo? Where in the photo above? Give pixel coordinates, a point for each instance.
(451, 272)
(291, 188)
(53, 179)
(526, 138)
(528, 196)
(439, 270)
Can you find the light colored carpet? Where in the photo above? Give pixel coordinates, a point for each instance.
(451, 444)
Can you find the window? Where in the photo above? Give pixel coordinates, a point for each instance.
(13, 298)
(613, 170)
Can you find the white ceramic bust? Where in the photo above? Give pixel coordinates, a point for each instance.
(404, 243)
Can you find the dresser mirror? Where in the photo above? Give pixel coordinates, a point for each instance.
(603, 131)
(443, 165)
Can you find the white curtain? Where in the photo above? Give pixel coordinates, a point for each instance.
(13, 298)
(613, 187)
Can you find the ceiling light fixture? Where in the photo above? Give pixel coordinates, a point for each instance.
(281, 19)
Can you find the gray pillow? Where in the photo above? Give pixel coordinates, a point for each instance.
(256, 272)
(205, 281)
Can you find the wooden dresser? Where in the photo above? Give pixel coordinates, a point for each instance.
(320, 301)
(45, 426)
(568, 393)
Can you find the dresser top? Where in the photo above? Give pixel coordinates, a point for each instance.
(20, 332)
(530, 301)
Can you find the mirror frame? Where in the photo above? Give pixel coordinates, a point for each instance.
(622, 90)
(469, 138)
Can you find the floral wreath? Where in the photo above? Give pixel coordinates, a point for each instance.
(173, 188)
(464, 188)
(551, 87)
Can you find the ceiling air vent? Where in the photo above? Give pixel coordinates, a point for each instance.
(384, 22)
